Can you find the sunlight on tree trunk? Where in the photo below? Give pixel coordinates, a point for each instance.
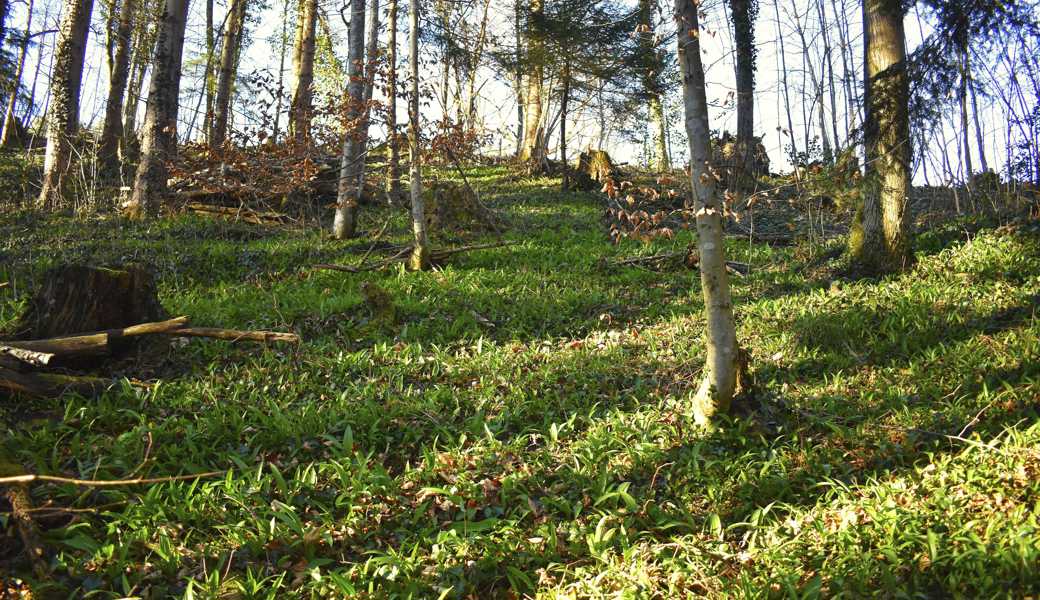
(721, 369)
(743, 14)
(345, 223)
(119, 69)
(535, 74)
(16, 82)
(159, 143)
(880, 238)
(303, 59)
(393, 163)
(63, 113)
(226, 79)
(420, 258)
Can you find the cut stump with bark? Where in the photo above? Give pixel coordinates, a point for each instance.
(75, 299)
(595, 167)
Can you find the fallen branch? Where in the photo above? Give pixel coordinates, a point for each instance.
(235, 335)
(31, 477)
(241, 214)
(4, 284)
(48, 385)
(95, 344)
(684, 257)
(21, 507)
(30, 357)
(402, 256)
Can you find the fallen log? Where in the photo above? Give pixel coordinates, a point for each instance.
(235, 335)
(49, 385)
(242, 214)
(684, 257)
(29, 357)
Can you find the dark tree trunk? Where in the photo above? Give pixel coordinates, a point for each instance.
(119, 70)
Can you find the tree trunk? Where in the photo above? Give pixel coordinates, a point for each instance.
(783, 79)
(159, 143)
(353, 160)
(743, 14)
(975, 116)
(228, 62)
(565, 96)
(63, 114)
(721, 370)
(280, 92)
(420, 258)
(119, 69)
(393, 164)
(209, 81)
(478, 53)
(300, 110)
(880, 239)
(371, 55)
(16, 83)
(828, 72)
(962, 97)
(530, 148)
(518, 76)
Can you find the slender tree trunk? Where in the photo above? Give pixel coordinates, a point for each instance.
(371, 54)
(817, 83)
(420, 258)
(565, 96)
(880, 237)
(280, 93)
(651, 85)
(228, 59)
(63, 114)
(16, 83)
(159, 140)
(353, 161)
(300, 110)
(975, 116)
(783, 80)
(393, 164)
(209, 80)
(962, 97)
(828, 72)
(533, 92)
(846, 70)
(743, 15)
(663, 162)
(518, 75)
(119, 69)
(721, 371)
(478, 54)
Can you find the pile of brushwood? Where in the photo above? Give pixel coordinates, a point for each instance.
(83, 317)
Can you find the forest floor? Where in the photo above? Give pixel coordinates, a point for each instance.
(515, 424)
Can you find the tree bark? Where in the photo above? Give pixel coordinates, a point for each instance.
(565, 96)
(880, 238)
(353, 160)
(228, 63)
(303, 59)
(743, 14)
(119, 70)
(16, 83)
(371, 56)
(393, 164)
(783, 80)
(721, 370)
(159, 144)
(63, 114)
(530, 148)
(420, 258)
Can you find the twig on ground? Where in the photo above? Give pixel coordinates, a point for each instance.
(32, 477)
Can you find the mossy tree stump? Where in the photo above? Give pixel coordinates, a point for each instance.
(594, 168)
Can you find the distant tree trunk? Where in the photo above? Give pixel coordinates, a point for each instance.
(846, 70)
(478, 53)
(651, 86)
(518, 76)
(159, 139)
(420, 258)
(880, 237)
(209, 81)
(530, 148)
(817, 83)
(663, 162)
(300, 110)
(743, 14)
(119, 69)
(393, 163)
(226, 78)
(828, 71)
(564, 97)
(30, 105)
(371, 56)
(63, 114)
(16, 83)
(353, 160)
(783, 79)
(975, 116)
(962, 97)
(280, 92)
(721, 370)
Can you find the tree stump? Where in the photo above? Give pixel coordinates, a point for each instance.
(594, 168)
(77, 299)
(453, 206)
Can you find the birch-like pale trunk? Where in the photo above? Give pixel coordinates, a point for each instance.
(63, 112)
(721, 369)
(344, 224)
(371, 56)
(533, 91)
(420, 258)
(393, 163)
(880, 238)
(118, 72)
(159, 132)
